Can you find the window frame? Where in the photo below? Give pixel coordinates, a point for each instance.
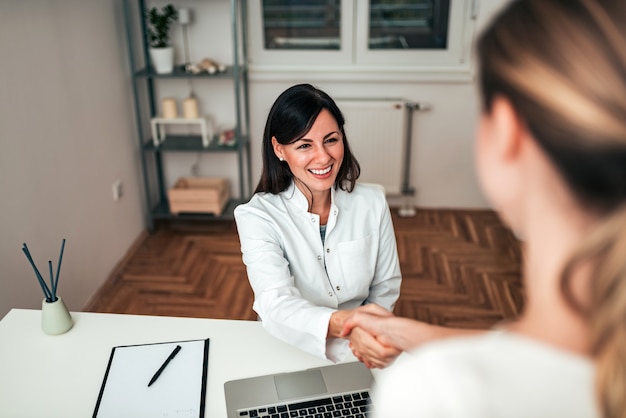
(355, 62)
(454, 54)
(258, 55)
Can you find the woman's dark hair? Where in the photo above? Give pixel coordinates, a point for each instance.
(290, 118)
(562, 66)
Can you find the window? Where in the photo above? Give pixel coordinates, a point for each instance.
(290, 24)
(361, 34)
(421, 24)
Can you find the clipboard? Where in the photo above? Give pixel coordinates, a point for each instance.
(180, 390)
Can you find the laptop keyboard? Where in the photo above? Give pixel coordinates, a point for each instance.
(346, 405)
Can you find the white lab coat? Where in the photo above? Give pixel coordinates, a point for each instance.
(298, 281)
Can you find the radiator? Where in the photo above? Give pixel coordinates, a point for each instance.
(378, 131)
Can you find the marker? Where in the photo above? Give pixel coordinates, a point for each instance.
(164, 365)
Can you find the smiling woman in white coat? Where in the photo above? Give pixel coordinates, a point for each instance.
(317, 245)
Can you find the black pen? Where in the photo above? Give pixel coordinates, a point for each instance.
(167, 360)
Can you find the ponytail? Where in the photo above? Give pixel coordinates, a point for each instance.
(605, 248)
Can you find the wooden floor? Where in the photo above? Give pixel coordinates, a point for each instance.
(459, 267)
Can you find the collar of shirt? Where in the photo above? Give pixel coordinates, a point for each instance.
(300, 203)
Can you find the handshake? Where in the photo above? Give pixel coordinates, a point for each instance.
(377, 336)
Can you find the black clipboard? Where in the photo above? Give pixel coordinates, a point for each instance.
(180, 390)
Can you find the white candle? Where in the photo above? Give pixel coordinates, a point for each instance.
(190, 108)
(168, 107)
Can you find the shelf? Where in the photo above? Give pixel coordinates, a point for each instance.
(146, 84)
(193, 143)
(179, 72)
(162, 211)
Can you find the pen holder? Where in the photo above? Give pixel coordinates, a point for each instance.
(55, 318)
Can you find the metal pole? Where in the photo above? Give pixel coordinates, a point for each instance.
(406, 177)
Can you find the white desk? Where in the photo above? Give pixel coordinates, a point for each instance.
(60, 376)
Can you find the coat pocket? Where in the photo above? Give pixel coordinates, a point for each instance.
(358, 264)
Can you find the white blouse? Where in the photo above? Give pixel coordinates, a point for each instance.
(497, 374)
(299, 281)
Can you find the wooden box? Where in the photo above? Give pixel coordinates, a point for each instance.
(199, 195)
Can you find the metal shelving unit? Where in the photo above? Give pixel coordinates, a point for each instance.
(143, 85)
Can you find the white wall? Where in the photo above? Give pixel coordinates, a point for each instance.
(66, 134)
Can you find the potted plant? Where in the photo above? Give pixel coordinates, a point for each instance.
(161, 52)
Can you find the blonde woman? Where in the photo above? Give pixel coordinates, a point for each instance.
(551, 157)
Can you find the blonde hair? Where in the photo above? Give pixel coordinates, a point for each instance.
(562, 64)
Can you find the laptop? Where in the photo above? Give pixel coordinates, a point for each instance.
(329, 391)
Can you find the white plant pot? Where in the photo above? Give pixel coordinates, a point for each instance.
(162, 59)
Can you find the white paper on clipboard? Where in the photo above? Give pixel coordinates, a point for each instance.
(179, 392)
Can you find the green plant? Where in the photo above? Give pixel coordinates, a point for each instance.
(159, 22)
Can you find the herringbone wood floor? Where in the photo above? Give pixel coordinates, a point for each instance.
(459, 267)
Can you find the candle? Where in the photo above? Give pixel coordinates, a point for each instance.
(190, 108)
(168, 107)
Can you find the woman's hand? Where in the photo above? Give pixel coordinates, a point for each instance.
(338, 318)
(364, 345)
(401, 333)
(377, 336)
(370, 351)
